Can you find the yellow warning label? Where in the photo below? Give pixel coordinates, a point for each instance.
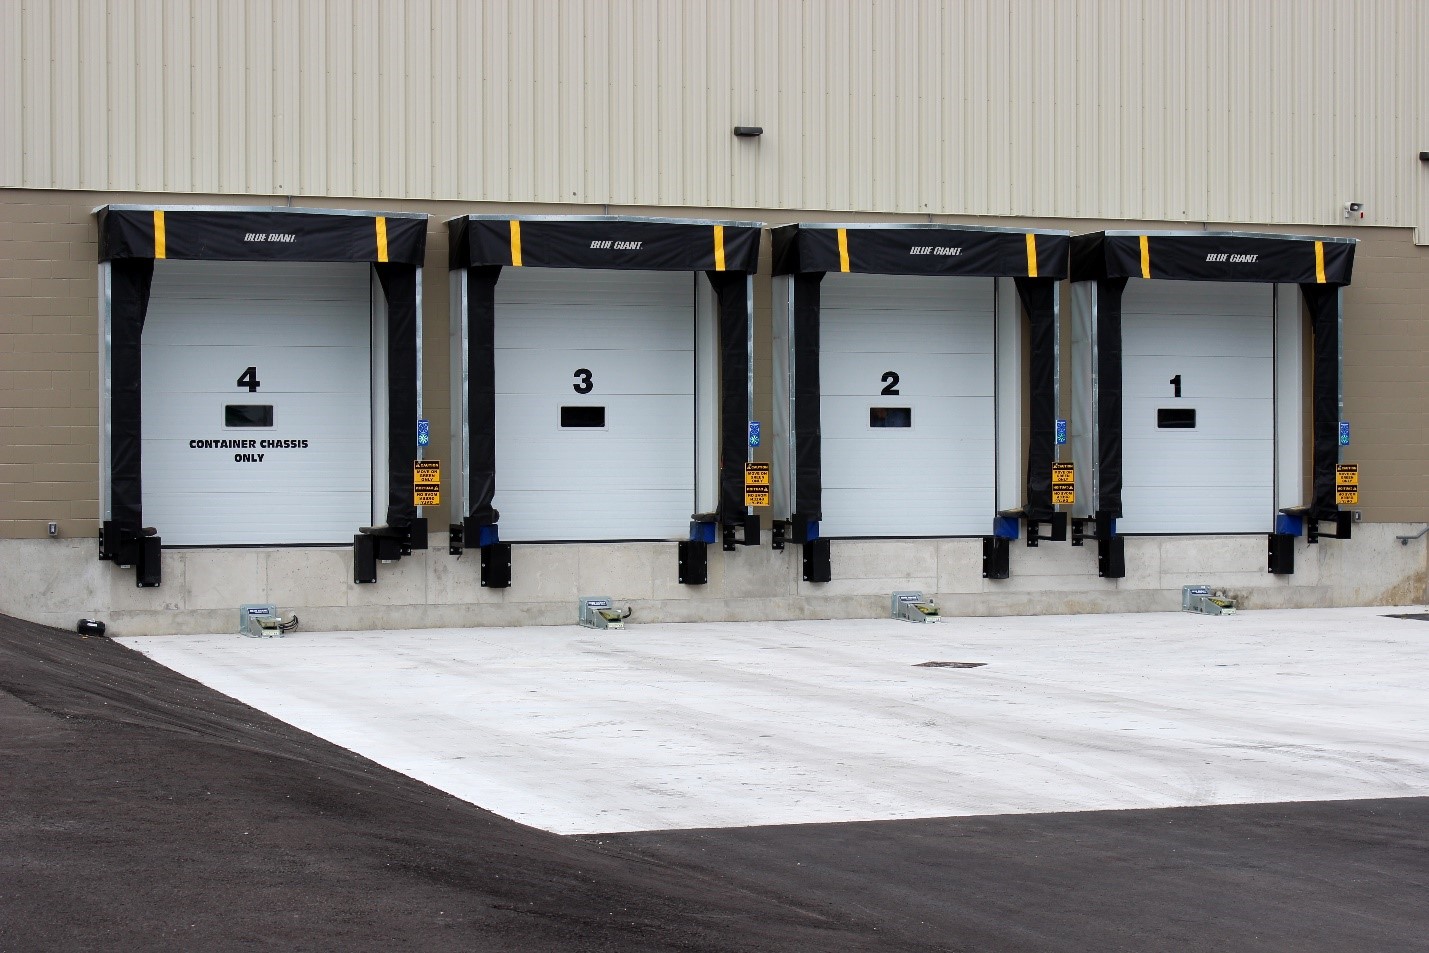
(427, 482)
(756, 484)
(1347, 495)
(1347, 474)
(1064, 484)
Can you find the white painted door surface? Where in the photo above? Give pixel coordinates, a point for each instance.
(304, 329)
(1214, 341)
(595, 406)
(915, 350)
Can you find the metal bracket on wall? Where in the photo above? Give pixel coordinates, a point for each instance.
(743, 533)
(1059, 530)
(387, 544)
(1344, 527)
(140, 548)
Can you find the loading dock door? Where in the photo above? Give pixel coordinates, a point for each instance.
(257, 402)
(906, 413)
(595, 405)
(1198, 407)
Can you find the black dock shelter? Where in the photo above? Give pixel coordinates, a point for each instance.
(1320, 267)
(133, 237)
(484, 247)
(805, 253)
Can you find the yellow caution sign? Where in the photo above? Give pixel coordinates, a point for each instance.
(1064, 484)
(427, 482)
(1347, 484)
(756, 484)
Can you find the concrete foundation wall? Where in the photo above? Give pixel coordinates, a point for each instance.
(203, 588)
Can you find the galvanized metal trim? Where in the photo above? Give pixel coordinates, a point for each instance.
(284, 209)
(106, 391)
(1093, 338)
(934, 226)
(483, 217)
(421, 451)
(1122, 233)
(1057, 368)
(463, 491)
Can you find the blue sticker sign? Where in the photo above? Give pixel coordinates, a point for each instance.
(754, 433)
(1344, 433)
(1061, 432)
(424, 433)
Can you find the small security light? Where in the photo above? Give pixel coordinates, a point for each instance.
(1424, 157)
(748, 132)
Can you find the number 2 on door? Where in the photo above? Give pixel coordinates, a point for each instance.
(890, 382)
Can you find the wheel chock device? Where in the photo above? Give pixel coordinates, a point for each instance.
(1201, 600)
(912, 607)
(262, 621)
(597, 612)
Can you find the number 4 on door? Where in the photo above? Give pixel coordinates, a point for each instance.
(249, 379)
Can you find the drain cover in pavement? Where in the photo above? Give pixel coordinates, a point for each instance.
(949, 664)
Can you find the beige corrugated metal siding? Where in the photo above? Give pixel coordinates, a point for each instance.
(1215, 111)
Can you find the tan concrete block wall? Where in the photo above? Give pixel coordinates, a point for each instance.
(49, 397)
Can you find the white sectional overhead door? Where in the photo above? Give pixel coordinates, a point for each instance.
(257, 402)
(595, 405)
(1198, 411)
(907, 417)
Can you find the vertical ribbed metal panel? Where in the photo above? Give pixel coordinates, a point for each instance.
(64, 91)
(339, 168)
(207, 104)
(1217, 111)
(176, 83)
(14, 115)
(35, 128)
(286, 98)
(232, 130)
(366, 100)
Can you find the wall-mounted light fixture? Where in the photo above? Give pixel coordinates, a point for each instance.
(748, 132)
(1354, 210)
(1424, 157)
